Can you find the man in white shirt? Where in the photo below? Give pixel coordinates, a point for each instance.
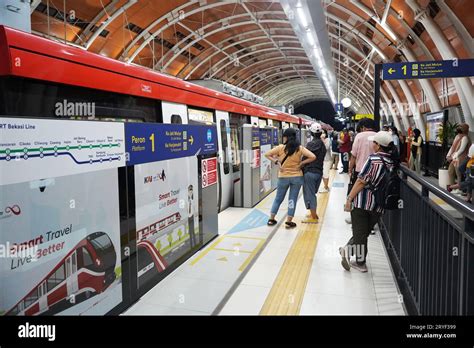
(458, 153)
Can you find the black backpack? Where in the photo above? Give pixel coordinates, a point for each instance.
(387, 193)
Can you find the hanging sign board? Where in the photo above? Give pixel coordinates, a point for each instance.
(428, 69)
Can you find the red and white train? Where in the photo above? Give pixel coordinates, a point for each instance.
(39, 76)
(87, 270)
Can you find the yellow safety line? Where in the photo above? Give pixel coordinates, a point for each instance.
(235, 250)
(238, 237)
(287, 292)
(252, 255)
(205, 252)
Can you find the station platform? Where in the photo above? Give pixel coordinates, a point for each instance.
(253, 269)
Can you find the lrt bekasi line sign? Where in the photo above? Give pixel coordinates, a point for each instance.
(428, 69)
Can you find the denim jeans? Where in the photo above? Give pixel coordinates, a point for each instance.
(292, 182)
(311, 186)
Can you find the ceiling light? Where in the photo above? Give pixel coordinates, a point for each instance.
(302, 17)
(346, 102)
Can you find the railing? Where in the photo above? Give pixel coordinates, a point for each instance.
(431, 250)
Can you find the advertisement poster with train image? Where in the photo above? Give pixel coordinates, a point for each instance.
(60, 245)
(167, 214)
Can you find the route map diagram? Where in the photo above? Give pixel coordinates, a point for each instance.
(63, 147)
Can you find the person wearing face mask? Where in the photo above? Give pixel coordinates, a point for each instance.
(327, 161)
(361, 201)
(395, 137)
(416, 149)
(458, 153)
(289, 157)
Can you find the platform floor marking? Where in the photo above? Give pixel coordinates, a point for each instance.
(220, 239)
(287, 292)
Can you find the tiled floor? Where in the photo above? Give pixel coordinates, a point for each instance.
(199, 285)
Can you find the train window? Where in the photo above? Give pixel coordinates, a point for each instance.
(33, 98)
(176, 119)
(86, 257)
(225, 145)
(200, 116)
(57, 277)
(235, 148)
(101, 243)
(31, 298)
(262, 122)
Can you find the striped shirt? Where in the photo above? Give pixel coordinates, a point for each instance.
(372, 172)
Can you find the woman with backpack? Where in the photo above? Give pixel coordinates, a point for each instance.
(288, 157)
(364, 202)
(416, 149)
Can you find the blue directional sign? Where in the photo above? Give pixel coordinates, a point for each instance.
(151, 142)
(339, 107)
(265, 136)
(428, 69)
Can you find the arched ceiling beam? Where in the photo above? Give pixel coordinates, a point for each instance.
(201, 61)
(263, 89)
(358, 33)
(264, 61)
(249, 84)
(272, 49)
(108, 21)
(82, 36)
(201, 34)
(173, 17)
(289, 78)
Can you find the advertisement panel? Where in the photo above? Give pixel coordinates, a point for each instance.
(32, 149)
(265, 164)
(434, 122)
(60, 245)
(167, 213)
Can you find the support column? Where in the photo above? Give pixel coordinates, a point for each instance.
(378, 68)
(447, 52)
(426, 85)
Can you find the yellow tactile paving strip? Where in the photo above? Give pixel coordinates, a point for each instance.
(288, 290)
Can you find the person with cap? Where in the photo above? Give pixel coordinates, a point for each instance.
(313, 172)
(289, 157)
(457, 154)
(361, 202)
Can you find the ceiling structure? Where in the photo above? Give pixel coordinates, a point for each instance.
(253, 45)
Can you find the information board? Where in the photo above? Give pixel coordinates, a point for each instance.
(209, 171)
(147, 142)
(428, 69)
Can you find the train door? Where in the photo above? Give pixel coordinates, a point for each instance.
(43, 299)
(174, 113)
(71, 274)
(225, 173)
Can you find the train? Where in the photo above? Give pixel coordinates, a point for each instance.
(87, 270)
(40, 77)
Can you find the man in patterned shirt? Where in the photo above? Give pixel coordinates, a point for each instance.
(365, 211)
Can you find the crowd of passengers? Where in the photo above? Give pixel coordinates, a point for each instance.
(366, 156)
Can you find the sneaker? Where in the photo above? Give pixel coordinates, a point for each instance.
(360, 268)
(348, 220)
(345, 259)
(324, 190)
(310, 220)
(456, 191)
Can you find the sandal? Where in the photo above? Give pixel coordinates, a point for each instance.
(290, 224)
(271, 222)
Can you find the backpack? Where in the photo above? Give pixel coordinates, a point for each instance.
(387, 193)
